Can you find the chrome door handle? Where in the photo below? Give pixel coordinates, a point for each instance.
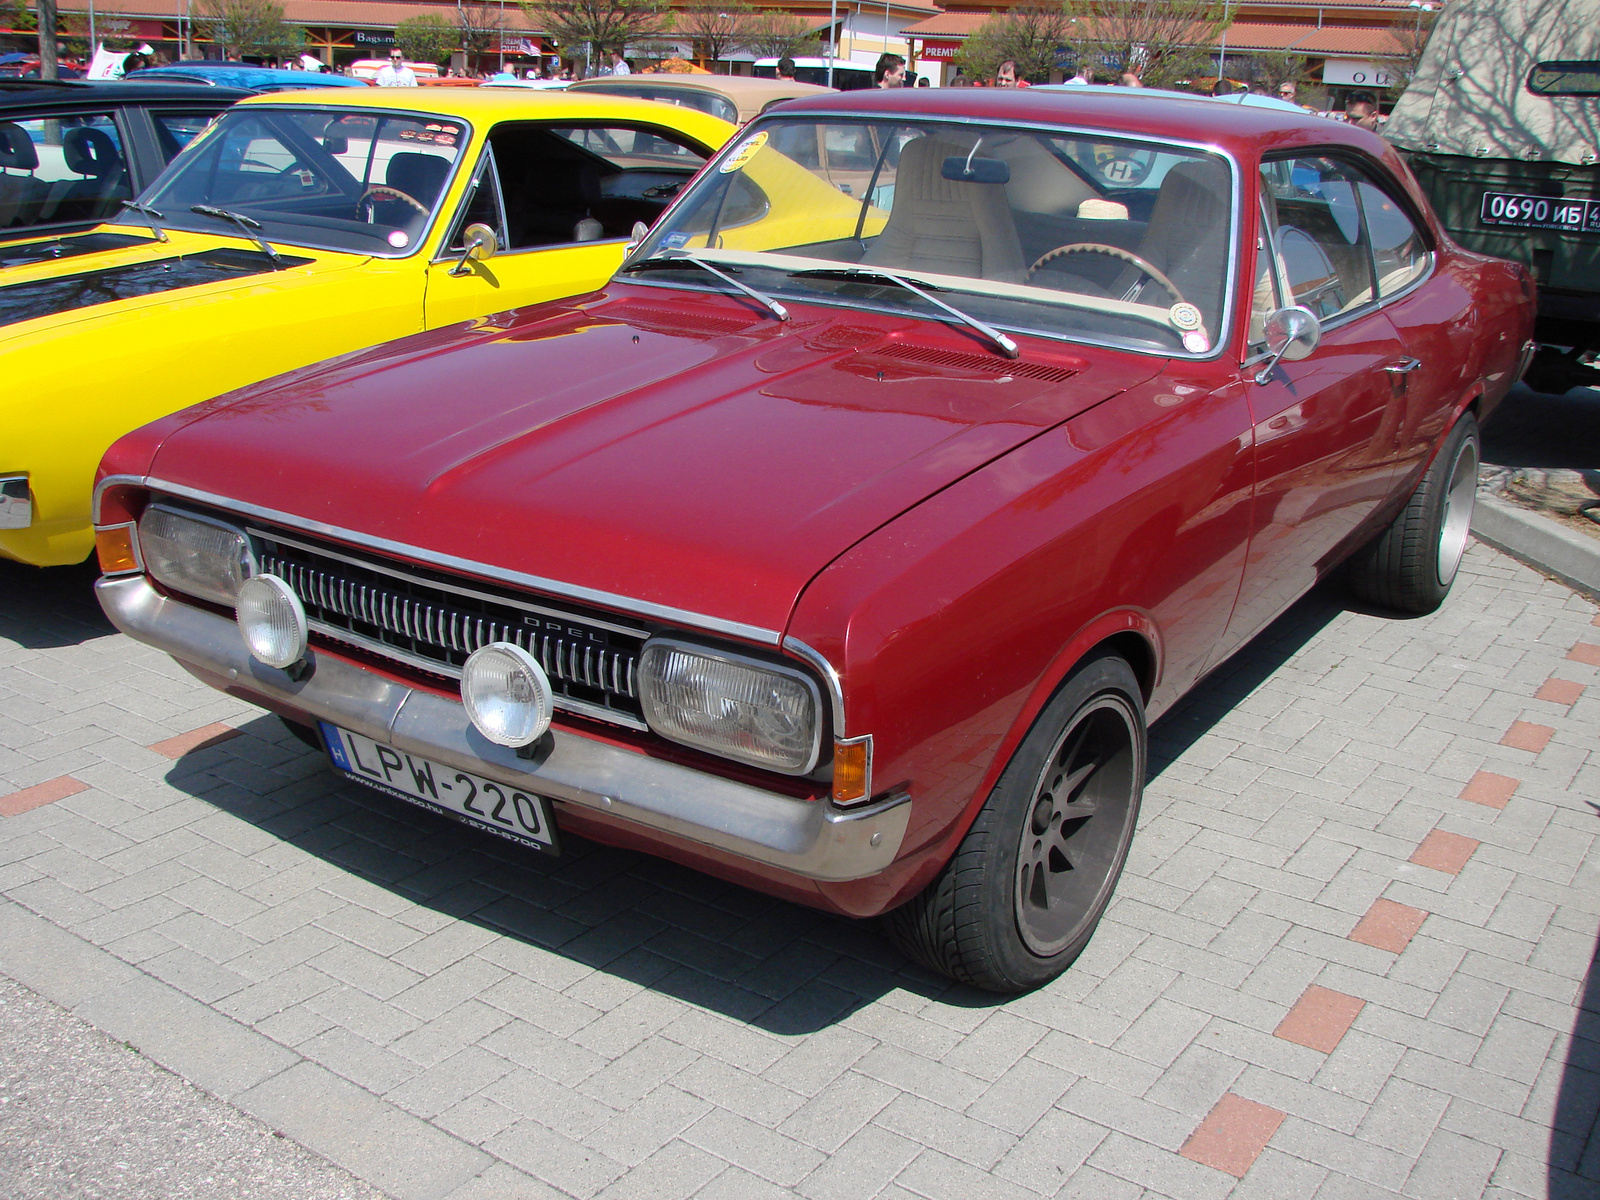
(1404, 367)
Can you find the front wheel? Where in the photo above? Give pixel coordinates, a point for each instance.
(1411, 564)
(1021, 896)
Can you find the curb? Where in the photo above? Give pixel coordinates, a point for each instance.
(1542, 544)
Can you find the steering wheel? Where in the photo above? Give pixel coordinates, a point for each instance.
(1115, 252)
(382, 191)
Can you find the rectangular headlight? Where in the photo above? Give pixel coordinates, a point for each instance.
(194, 554)
(755, 712)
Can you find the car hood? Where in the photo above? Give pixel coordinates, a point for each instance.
(116, 266)
(672, 447)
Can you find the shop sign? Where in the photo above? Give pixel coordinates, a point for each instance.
(1356, 72)
(940, 51)
(373, 37)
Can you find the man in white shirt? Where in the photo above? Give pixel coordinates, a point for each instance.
(619, 65)
(396, 73)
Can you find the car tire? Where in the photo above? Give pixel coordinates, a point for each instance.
(1410, 566)
(1021, 896)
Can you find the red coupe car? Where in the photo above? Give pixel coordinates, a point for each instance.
(930, 445)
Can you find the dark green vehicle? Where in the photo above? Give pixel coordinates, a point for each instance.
(1502, 127)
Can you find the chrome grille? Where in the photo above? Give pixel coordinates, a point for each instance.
(434, 624)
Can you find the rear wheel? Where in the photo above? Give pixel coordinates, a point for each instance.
(1411, 565)
(1021, 896)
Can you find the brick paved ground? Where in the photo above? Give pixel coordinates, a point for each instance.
(1352, 955)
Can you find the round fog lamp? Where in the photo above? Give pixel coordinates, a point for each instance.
(507, 694)
(272, 620)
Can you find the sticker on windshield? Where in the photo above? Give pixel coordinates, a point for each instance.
(743, 154)
(399, 239)
(1196, 342)
(675, 241)
(1184, 316)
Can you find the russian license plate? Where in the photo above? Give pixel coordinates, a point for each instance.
(1503, 209)
(497, 807)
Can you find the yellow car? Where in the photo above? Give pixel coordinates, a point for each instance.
(301, 227)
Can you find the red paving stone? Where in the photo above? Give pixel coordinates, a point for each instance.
(1559, 691)
(1319, 1019)
(1388, 926)
(1585, 652)
(1488, 788)
(40, 794)
(1525, 735)
(1233, 1135)
(1447, 852)
(195, 739)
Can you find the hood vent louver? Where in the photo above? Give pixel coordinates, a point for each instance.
(989, 364)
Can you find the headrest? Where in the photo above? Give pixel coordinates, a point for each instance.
(16, 148)
(417, 175)
(90, 152)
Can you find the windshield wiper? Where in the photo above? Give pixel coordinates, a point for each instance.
(150, 215)
(860, 275)
(672, 258)
(251, 230)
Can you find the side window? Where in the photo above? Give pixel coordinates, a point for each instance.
(59, 169)
(1399, 251)
(1319, 236)
(564, 184)
(175, 130)
(1264, 299)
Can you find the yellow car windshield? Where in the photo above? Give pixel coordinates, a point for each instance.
(360, 180)
(1105, 238)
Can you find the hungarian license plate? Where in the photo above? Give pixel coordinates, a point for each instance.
(497, 807)
(1503, 209)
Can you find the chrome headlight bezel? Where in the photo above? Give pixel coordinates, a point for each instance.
(662, 722)
(235, 566)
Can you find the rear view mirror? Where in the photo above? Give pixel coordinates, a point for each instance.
(333, 139)
(976, 170)
(1291, 333)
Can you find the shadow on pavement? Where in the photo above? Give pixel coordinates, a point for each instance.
(1574, 1161)
(1534, 429)
(50, 606)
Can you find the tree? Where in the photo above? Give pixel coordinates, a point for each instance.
(478, 28)
(715, 29)
(1274, 68)
(1033, 37)
(1161, 41)
(1413, 37)
(587, 29)
(774, 34)
(254, 27)
(426, 38)
(48, 68)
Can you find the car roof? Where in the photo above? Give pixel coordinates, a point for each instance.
(1175, 116)
(22, 94)
(485, 104)
(243, 75)
(1250, 99)
(729, 85)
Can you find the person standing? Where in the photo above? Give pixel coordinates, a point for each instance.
(1288, 90)
(619, 65)
(395, 73)
(1005, 75)
(890, 71)
(786, 69)
(1362, 109)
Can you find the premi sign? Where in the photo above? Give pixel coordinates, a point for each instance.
(940, 51)
(1358, 72)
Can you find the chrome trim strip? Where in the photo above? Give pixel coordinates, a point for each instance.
(824, 668)
(451, 562)
(812, 839)
(16, 502)
(110, 481)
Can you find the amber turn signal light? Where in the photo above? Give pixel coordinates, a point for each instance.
(852, 770)
(114, 545)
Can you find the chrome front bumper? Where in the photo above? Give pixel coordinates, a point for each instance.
(808, 838)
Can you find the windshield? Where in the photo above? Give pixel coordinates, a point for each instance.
(359, 180)
(1086, 237)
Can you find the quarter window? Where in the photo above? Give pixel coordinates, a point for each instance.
(1318, 233)
(1398, 250)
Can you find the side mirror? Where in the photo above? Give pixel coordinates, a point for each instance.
(481, 245)
(636, 236)
(1291, 333)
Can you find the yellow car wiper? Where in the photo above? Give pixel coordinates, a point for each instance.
(918, 288)
(250, 228)
(673, 258)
